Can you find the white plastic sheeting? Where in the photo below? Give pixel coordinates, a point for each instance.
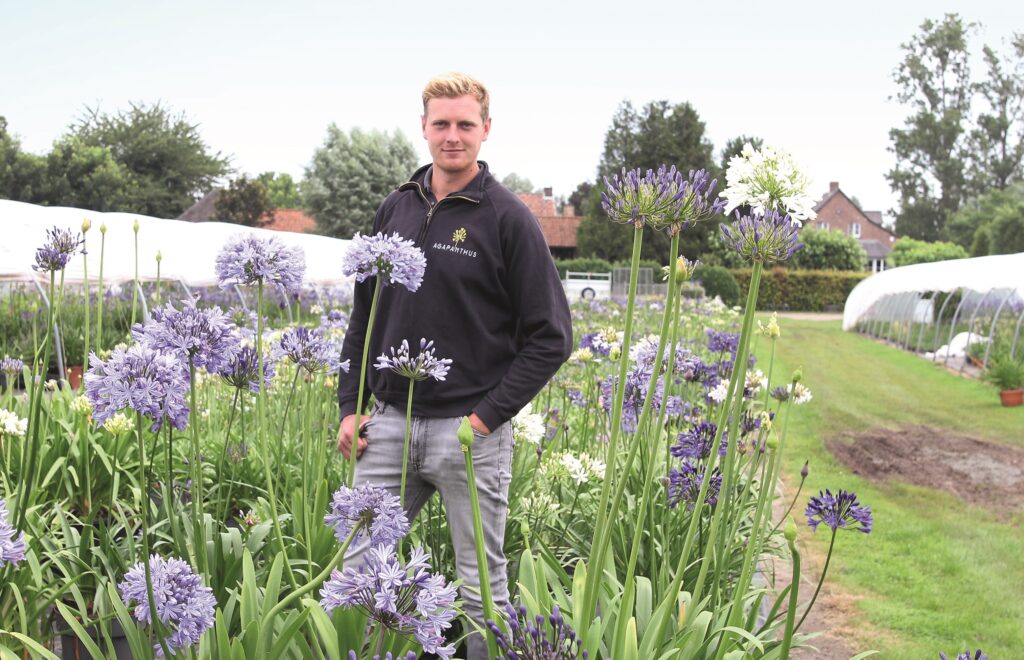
(188, 249)
(980, 274)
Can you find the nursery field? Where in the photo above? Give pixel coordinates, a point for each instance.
(942, 464)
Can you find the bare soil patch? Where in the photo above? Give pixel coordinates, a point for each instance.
(976, 471)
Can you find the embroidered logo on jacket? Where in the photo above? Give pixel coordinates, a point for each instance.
(458, 236)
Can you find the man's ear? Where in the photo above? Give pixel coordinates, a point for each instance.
(487, 129)
(423, 125)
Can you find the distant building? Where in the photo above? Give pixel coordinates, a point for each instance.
(559, 228)
(293, 220)
(836, 212)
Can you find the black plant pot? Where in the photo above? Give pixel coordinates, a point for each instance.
(72, 648)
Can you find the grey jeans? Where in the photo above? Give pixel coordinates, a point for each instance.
(437, 463)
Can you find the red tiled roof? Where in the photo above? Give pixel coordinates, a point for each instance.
(560, 231)
(538, 204)
(293, 220)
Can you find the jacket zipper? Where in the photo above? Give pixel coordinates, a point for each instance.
(433, 207)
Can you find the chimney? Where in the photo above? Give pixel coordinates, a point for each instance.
(549, 192)
(569, 211)
(833, 186)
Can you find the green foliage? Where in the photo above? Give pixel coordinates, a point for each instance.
(718, 281)
(802, 290)
(827, 250)
(351, 174)
(583, 265)
(85, 176)
(166, 159)
(1005, 373)
(517, 184)
(284, 193)
(907, 251)
(997, 141)
(245, 202)
(22, 175)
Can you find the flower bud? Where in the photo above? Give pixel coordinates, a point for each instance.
(773, 442)
(798, 375)
(103, 228)
(135, 227)
(804, 471)
(86, 225)
(790, 531)
(465, 434)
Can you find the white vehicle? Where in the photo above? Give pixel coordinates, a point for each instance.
(587, 285)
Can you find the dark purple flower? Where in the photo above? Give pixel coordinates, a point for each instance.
(698, 202)
(334, 319)
(206, 337)
(839, 510)
(577, 398)
(696, 443)
(766, 239)
(597, 343)
(311, 350)
(12, 543)
(61, 245)
(423, 366)
(393, 259)
(183, 605)
(408, 599)
(654, 198)
(966, 655)
(684, 485)
(722, 342)
(387, 656)
(536, 638)
(378, 511)
(248, 259)
(243, 370)
(148, 381)
(11, 366)
(780, 393)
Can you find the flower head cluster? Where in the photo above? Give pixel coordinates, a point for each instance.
(528, 426)
(407, 599)
(12, 543)
(244, 369)
(696, 443)
(651, 198)
(800, 393)
(685, 269)
(966, 655)
(684, 485)
(581, 468)
(423, 366)
(334, 319)
(722, 341)
(839, 510)
(387, 656)
(206, 337)
(378, 512)
(11, 424)
(766, 239)
(248, 259)
(80, 405)
(11, 366)
(607, 342)
(146, 380)
(60, 246)
(771, 330)
(698, 202)
(183, 604)
(118, 424)
(392, 258)
(719, 392)
(754, 382)
(311, 350)
(768, 180)
(529, 638)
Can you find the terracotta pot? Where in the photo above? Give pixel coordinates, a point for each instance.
(75, 376)
(1012, 397)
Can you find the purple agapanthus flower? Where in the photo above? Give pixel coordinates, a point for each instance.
(423, 366)
(408, 599)
(684, 485)
(11, 366)
(596, 343)
(243, 370)
(378, 511)
(696, 443)
(721, 341)
(392, 258)
(765, 239)
(205, 337)
(334, 319)
(387, 656)
(577, 398)
(61, 245)
(249, 259)
(780, 393)
(698, 202)
(638, 198)
(311, 350)
(183, 604)
(841, 510)
(531, 638)
(12, 542)
(966, 655)
(148, 381)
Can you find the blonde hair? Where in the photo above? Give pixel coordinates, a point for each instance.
(452, 86)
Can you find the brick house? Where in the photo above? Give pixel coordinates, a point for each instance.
(293, 220)
(836, 212)
(559, 228)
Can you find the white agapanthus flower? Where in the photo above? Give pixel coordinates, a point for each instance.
(574, 466)
(80, 405)
(540, 504)
(11, 424)
(528, 426)
(755, 381)
(118, 424)
(719, 392)
(801, 393)
(768, 180)
(645, 346)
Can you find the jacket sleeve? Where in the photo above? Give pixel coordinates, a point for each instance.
(355, 335)
(544, 332)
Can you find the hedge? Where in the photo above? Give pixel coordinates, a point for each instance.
(801, 290)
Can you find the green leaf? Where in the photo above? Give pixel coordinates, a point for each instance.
(31, 645)
(79, 630)
(324, 628)
(293, 623)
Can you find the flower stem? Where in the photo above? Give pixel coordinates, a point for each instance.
(794, 592)
(362, 383)
(154, 620)
(198, 535)
(405, 455)
(481, 554)
(821, 580)
(85, 288)
(99, 299)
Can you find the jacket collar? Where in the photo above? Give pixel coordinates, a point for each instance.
(474, 189)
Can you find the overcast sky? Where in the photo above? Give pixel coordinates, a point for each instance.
(264, 80)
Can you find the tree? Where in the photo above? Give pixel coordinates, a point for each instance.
(284, 193)
(169, 163)
(997, 141)
(86, 177)
(930, 149)
(245, 202)
(907, 251)
(660, 134)
(22, 175)
(349, 176)
(828, 250)
(517, 184)
(579, 197)
(975, 225)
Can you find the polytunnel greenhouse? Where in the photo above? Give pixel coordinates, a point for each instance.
(958, 313)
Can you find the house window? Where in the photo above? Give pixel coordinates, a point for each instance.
(855, 229)
(823, 225)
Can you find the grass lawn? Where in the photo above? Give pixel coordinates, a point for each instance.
(936, 574)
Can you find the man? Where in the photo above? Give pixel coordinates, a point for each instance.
(491, 300)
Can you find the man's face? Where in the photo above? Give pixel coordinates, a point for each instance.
(454, 131)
